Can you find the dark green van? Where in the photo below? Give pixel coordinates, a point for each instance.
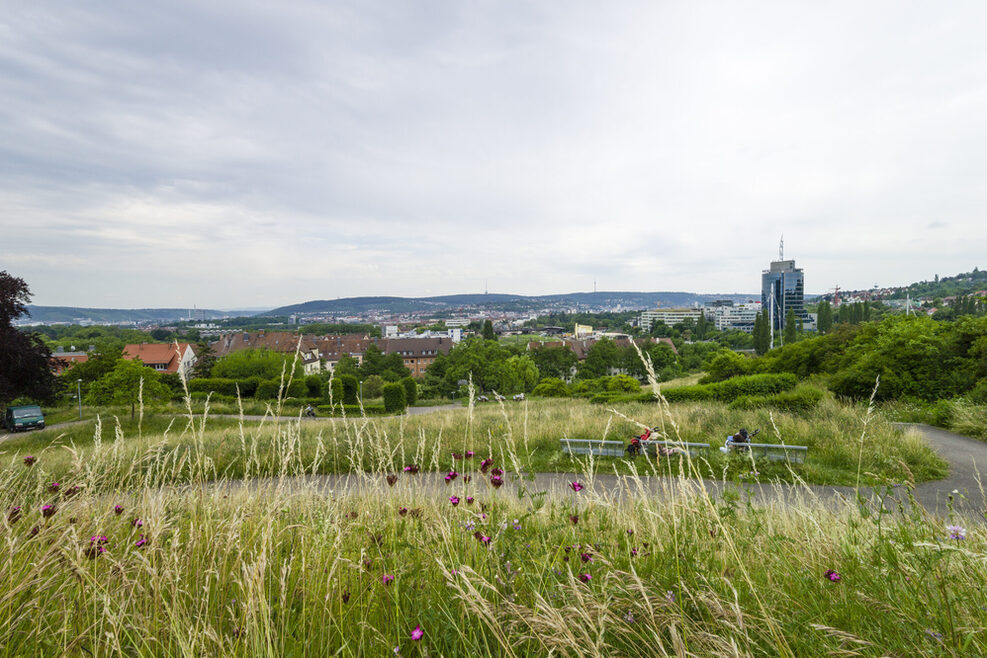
(28, 417)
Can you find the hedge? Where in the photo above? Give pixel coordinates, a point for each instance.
(551, 387)
(248, 387)
(730, 389)
(802, 399)
(410, 390)
(269, 389)
(394, 400)
(350, 387)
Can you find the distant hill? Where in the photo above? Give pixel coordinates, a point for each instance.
(963, 283)
(501, 302)
(72, 314)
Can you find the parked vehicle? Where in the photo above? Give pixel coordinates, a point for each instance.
(27, 417)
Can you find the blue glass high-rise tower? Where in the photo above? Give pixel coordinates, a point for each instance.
(782, 290)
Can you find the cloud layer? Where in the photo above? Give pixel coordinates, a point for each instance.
(231, 154)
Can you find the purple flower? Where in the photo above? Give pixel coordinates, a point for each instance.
(454, 500)
(29, 460)
(634, 552)
(574, 518)
(346, 596)
(96, 546)
(118, 509)
(71, 491)
(469, 454)
(391, 479)
(585, 577)
(833, 575)
(496, 472)
(485, 464)
(456, 455)
(413, 468)
(387, 579)
(576, 486)
(670, 596)
(452, 475)
(467, 477)
(35, 530)
(484, 539)
(47, 511)
(137, 523)
(403, 511)
(517, 524)
(956, 532)
(418, 633)
(586, 557)
(630, 532)
(496, 481)
(469, 500)
(140, 542)
(14, 514)
(53, 487)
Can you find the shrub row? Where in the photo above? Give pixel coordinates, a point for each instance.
(800, 400)
(730, 389)
(255, 387)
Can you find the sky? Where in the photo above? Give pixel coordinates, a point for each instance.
(240, 154)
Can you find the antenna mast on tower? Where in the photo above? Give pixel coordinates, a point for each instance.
(781, 248)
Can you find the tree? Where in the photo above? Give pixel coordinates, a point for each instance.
(160, 334)
(265, 364)
(791, 327)
(410, 389)
(554, 361)
(24, 358)
(762, 333)
(372, 386)
(520, 375)
(488, 331)
(824, 317)
(126, 383)
(394, 398)
(702, 326)
(205, 359)
(604, 354)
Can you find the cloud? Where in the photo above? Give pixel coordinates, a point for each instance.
(248, 154)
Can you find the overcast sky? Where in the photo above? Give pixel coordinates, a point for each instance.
(247, 154)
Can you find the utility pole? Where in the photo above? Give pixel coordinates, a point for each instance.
(78, 388)
(771, 322)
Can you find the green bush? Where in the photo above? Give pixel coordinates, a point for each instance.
(336, 386)
(623, 384)
(269, 389)
(394, 399)
(725, 365)
(551, 387)
(800, 400)
(372, 386)
(731, 389)
(351, 386)
(410, 390)
(213, 385)
(315, 386)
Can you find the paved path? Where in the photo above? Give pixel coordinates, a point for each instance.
(963, 454)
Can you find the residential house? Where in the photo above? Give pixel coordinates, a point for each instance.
(417, 353)
(163, 357)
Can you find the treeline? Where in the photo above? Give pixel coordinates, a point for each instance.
(915, 358)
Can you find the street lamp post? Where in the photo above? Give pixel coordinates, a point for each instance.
(361, 392)
(78, 388)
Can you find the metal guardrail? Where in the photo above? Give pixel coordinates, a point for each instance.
(593, 447)
(771, 451)
(651, 447)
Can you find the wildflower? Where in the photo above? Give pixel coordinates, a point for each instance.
(833, 575)
(412, 468)
(403, 511)
(485, 465)
(956, 532)
(35, 531)
(346, 596)
(140, 542)
(496, 481)
(574, 518)
(71, 491)
(454, 500)
(47, 511)
(137, 523)
(467, 478)
(585, 577)
(387, 579)
(96, 546)
(118, 509)
(477, 534)
(469, 454)
(586, 557)
(469, 500)
(629, 617)
(576, 486)
(14, 514)
(29, 460)
(933, 635)
(456, 455)
(484, 539)
(496, 472)
(418, 633)
(634, 552)
(670, 596)
(517, 524)
(450, 476)
(391, 479)
(630, 531)
(53, 487)
(469, 526)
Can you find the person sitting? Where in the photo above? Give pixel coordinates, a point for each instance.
(309, 411)
(740, 437)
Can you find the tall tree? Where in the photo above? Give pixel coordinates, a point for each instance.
(762, 335)
(488, 330)
(24, 358)
(205, 359)
(791, 327)
(824, 317)
(128, 382)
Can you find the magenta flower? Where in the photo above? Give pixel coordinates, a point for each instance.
(576, 486)
(497, 472)
(454, 500)
(403, 511)
(387, 579)
(118, 509)
(469, 454)
(452, 475)
(391, 479)
(467, 478)
(53, 487)
(485, 464)
(833, 575)
(413, 468)
(14, 514)
(417, 634)
(484, 539)
(137, 523)
(71, 491)
(29, 460)
(586, 557)
(47, 511)
(634, 552)
(96, 546)
(35, 530)
(585, 577)
(456, 455)
(140, 542)
(630, 532)
(574, 518)
(469, 500)
(496, 481)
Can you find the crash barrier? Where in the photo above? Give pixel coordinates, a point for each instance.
(593, 447)
(651, 447)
